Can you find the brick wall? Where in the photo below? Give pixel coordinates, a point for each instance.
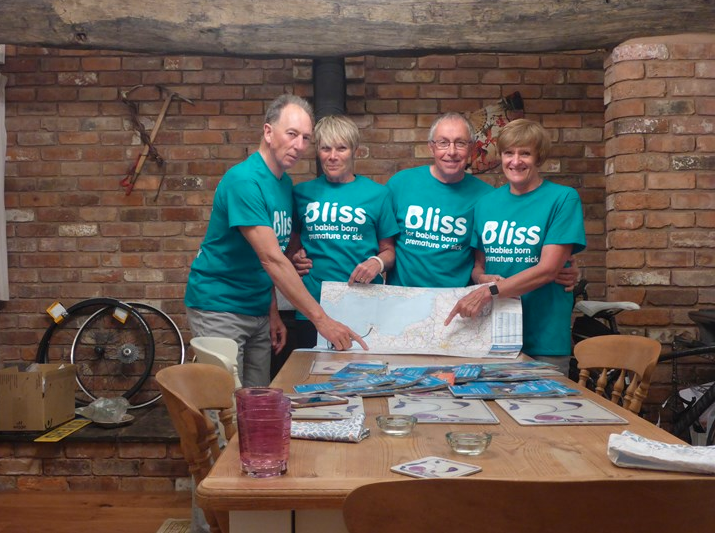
(74, 234)
(66, 465)
(660, 186)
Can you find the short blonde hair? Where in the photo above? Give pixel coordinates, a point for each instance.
(334, 129)
(525, 132)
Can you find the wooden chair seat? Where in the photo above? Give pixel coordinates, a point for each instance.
(499, 506)
(189, 392)
(635, 357)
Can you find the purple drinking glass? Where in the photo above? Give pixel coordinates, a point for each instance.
(257, 398)
(264, 441)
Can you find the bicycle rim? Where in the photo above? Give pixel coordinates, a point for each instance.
(113, 357)
(169, 349)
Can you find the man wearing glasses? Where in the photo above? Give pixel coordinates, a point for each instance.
(434, 207)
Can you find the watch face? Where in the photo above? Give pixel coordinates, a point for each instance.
(494, 290)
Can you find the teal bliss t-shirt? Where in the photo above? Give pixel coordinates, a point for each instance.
(436, 223)
(340, 225)
(226, 274)
(511, 230)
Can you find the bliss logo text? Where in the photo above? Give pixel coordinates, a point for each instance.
(330, 212)
(282, 224)
(507, 233)
(432, 220)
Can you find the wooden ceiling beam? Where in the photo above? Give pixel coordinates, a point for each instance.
(332, 28)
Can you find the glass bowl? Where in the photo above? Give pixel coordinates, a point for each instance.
(467, 443)
(396, 425)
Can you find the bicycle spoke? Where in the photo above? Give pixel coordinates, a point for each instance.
(113, 358)
(169, 350)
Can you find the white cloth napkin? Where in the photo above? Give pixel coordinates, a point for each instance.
(350, 430)
(634, 451)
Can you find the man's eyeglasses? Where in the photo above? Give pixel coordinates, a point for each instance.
(444, 144)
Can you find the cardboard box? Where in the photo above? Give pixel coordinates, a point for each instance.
(36, 401)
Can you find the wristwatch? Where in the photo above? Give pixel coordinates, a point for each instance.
(494, 290)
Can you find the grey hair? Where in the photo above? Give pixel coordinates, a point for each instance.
(452, 115)
(273, 113)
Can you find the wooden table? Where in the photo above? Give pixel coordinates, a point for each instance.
(321, 474)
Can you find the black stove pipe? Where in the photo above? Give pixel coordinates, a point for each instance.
(329, 90)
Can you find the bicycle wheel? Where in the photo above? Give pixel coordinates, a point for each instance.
(169, 349)
(113, 357)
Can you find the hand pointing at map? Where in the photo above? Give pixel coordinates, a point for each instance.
(470, 305)
(339, 335)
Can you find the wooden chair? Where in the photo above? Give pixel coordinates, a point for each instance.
(635, 356)
(188, 391)
(500, 506)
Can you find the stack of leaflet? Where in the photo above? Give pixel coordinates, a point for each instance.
(368, 379)
(491, 390)
(524, 379)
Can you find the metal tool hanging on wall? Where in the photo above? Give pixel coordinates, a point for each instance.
(149, 151)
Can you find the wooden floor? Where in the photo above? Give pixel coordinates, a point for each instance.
(85, 512)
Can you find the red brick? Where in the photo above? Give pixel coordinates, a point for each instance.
(669, 258)
(439, 61)
(693, 87)
(203, 137)
(42, 483)
(624, 108)
(543, 77)
(671, 180)
(625, 259)
(691, 50)
(705, 258)
(519, 61)
(671, 143)
(638, 89)
(397, 91)
(692, 278)
(693, 239)
(625, 220)
(699, 200)
(705, 219)
(676, 219)
(637, 239)
(670, 69)
(631, 70)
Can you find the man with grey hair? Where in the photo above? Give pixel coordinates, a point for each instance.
(230, 290)
(434, 207)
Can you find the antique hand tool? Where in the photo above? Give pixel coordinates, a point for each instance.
(131, 178)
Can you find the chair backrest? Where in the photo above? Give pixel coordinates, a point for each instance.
(218, 351)
(635, 356)
(499, 506)
(189, 390)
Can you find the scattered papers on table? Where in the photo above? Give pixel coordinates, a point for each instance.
(490, 390)
(330, 412)
(630, 450)
(442, 410)
(559, 411)
(351, 430)
(356, 370)
(330, 366)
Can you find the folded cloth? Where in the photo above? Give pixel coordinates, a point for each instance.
(349, 430)
(633, 451)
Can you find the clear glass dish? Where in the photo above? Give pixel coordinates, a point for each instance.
(396, 425)
(469, 443)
